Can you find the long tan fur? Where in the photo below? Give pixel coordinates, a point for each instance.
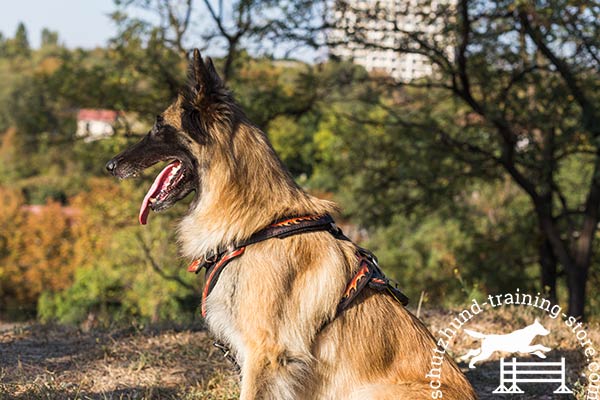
(275, 306)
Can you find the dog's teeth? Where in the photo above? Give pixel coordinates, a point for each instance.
(152, 200)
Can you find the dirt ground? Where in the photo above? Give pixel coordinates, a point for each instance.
(57, 362)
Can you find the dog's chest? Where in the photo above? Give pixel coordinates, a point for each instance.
(222, 312)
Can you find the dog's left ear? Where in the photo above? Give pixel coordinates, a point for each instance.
(201, 96)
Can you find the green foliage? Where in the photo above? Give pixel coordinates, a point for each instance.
(114, 278)
(292, 139)
(433, 225)
(105, 291)
(94, 292)
(423, 255)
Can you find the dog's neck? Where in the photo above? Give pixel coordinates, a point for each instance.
(245, 188)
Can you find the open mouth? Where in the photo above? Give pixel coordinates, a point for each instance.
(162, 191)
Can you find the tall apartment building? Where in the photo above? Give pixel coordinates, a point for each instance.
(400, 66)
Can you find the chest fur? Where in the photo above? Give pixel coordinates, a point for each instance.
(222, 310)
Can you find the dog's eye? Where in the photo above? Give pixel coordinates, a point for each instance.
(159, 121)
(156, 129)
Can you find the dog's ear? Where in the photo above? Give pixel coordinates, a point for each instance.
(202, 96)
(204, 81)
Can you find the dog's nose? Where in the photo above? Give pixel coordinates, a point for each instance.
(111, 165)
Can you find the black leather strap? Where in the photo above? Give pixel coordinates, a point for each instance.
(289, 227)
(281, 229)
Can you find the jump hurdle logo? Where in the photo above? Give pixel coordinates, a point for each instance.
(513, 372)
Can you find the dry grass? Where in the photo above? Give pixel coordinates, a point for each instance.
(51, 362)
(55, 362)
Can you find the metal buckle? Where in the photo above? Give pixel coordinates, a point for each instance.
(227, 354)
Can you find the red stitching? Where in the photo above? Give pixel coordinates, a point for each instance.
(362, 272)
(297, 220)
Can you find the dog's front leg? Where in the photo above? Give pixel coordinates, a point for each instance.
(253, 372)
(272, 373)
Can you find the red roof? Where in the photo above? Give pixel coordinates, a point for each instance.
(37, 209)
(89, 114)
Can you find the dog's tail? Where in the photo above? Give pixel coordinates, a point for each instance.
(475, 334)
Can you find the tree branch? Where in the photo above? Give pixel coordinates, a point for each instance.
(157, 268)
(590, 117)
(178, 25)
(218, 19)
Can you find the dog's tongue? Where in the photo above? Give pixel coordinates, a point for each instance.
(156, 187)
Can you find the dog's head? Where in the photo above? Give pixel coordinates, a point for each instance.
(182, 136)
(539, 329)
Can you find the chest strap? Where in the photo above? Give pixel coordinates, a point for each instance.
(368, 272)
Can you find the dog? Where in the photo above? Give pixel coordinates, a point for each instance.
(276, 306)
(518, 341)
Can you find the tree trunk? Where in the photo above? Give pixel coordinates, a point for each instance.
(576, 280)
(229, 59)
(548, 270)
(575, 260)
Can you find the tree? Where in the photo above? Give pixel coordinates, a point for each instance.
(2, 45)
(49, 38)
(37, 252)
(523, 79)
(19, 45)
(435, 225)
(184, 24)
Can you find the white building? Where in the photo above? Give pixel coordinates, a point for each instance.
(96, 124)
(402, 67)
(381, 31)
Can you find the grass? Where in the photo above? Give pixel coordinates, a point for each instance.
(58, 362)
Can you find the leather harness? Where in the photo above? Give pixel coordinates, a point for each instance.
(368, 272)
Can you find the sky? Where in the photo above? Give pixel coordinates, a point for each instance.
(80, 23)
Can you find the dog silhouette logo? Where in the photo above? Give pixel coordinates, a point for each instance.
(518, 341)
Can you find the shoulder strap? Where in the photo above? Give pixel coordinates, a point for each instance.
(369, 274)
(291, 226)
(280, 229)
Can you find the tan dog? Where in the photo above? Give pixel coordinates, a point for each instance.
(275, 306)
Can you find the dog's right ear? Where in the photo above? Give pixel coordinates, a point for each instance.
(203, 80)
